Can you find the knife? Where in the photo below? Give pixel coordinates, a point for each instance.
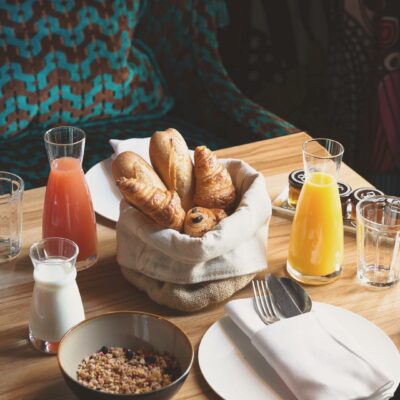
(288, 297)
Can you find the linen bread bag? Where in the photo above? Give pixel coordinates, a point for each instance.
(220, 253)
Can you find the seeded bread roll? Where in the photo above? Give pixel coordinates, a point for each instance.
(200, 220)
(130, 165)
(170, 158)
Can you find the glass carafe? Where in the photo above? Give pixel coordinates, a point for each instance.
(56, 302)
(316, 241)
(68, 210)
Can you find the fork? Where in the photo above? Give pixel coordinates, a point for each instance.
(263, 304)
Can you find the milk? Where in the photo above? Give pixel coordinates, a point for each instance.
(56, 301)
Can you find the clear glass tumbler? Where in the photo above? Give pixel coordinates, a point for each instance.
(316, 241)
(11, 193)
(56, 302)
(68, 209)
(378, 241)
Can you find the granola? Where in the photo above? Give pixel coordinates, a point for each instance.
(125, 371)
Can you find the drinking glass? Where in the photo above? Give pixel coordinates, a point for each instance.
(316, 241)
(11, 193)
(68, 209)
(378, 241)
(56, 302)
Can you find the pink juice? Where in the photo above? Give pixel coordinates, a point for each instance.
(68, 210)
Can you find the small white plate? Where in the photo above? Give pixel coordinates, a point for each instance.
(103, 190)
(235, 370)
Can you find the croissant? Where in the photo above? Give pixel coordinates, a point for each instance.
(132, 165)
(214, 187)
(200, 220)
(163, 206)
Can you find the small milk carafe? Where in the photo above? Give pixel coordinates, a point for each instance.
(56, 302)
(316, 241)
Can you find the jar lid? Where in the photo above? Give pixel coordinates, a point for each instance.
(344, 190)
(362, 193)
(296, 178)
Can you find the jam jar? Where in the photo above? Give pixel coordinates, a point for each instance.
(344, 193)
(359, 194)
(296, 180)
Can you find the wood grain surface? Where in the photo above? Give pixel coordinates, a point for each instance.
(27, 374)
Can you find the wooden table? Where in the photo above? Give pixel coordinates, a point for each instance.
(27, 374)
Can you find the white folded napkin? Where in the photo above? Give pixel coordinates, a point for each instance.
(138, 145)
(316, 357)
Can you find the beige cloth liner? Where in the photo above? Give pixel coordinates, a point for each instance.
(188, 273)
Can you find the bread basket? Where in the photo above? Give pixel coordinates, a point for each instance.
(187, 273)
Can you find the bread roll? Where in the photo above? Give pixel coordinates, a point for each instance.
(219, 213)
(130, 165)
(200, 220)
(170, 158)
(163, 206)
(214, 187)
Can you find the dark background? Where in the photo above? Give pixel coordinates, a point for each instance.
(332, 68)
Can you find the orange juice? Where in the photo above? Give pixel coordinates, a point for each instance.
(68, 210)
(316, 242)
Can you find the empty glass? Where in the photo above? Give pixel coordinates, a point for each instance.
(378, 241)
(11, 192)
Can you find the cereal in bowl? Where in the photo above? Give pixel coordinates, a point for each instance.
(124, 371)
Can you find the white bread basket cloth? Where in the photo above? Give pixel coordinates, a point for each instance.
(189, 273)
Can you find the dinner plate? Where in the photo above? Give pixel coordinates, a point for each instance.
(235, 370)
(103, 190)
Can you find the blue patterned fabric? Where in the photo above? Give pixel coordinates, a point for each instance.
(28, 159)
(68, 62)
(182, 35)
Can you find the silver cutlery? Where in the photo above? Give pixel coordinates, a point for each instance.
(263, 303)
(287, 296)
(277, 298)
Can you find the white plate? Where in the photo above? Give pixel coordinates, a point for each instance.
(103, 190)
(235, 370)
(105, 194)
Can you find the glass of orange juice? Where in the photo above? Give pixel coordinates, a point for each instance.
(68, 209)
(316, 241)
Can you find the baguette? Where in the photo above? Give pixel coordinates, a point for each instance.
(170, 158)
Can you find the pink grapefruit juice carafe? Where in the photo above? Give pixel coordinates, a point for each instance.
(68, 209)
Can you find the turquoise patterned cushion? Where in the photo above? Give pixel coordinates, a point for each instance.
(68, 62)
